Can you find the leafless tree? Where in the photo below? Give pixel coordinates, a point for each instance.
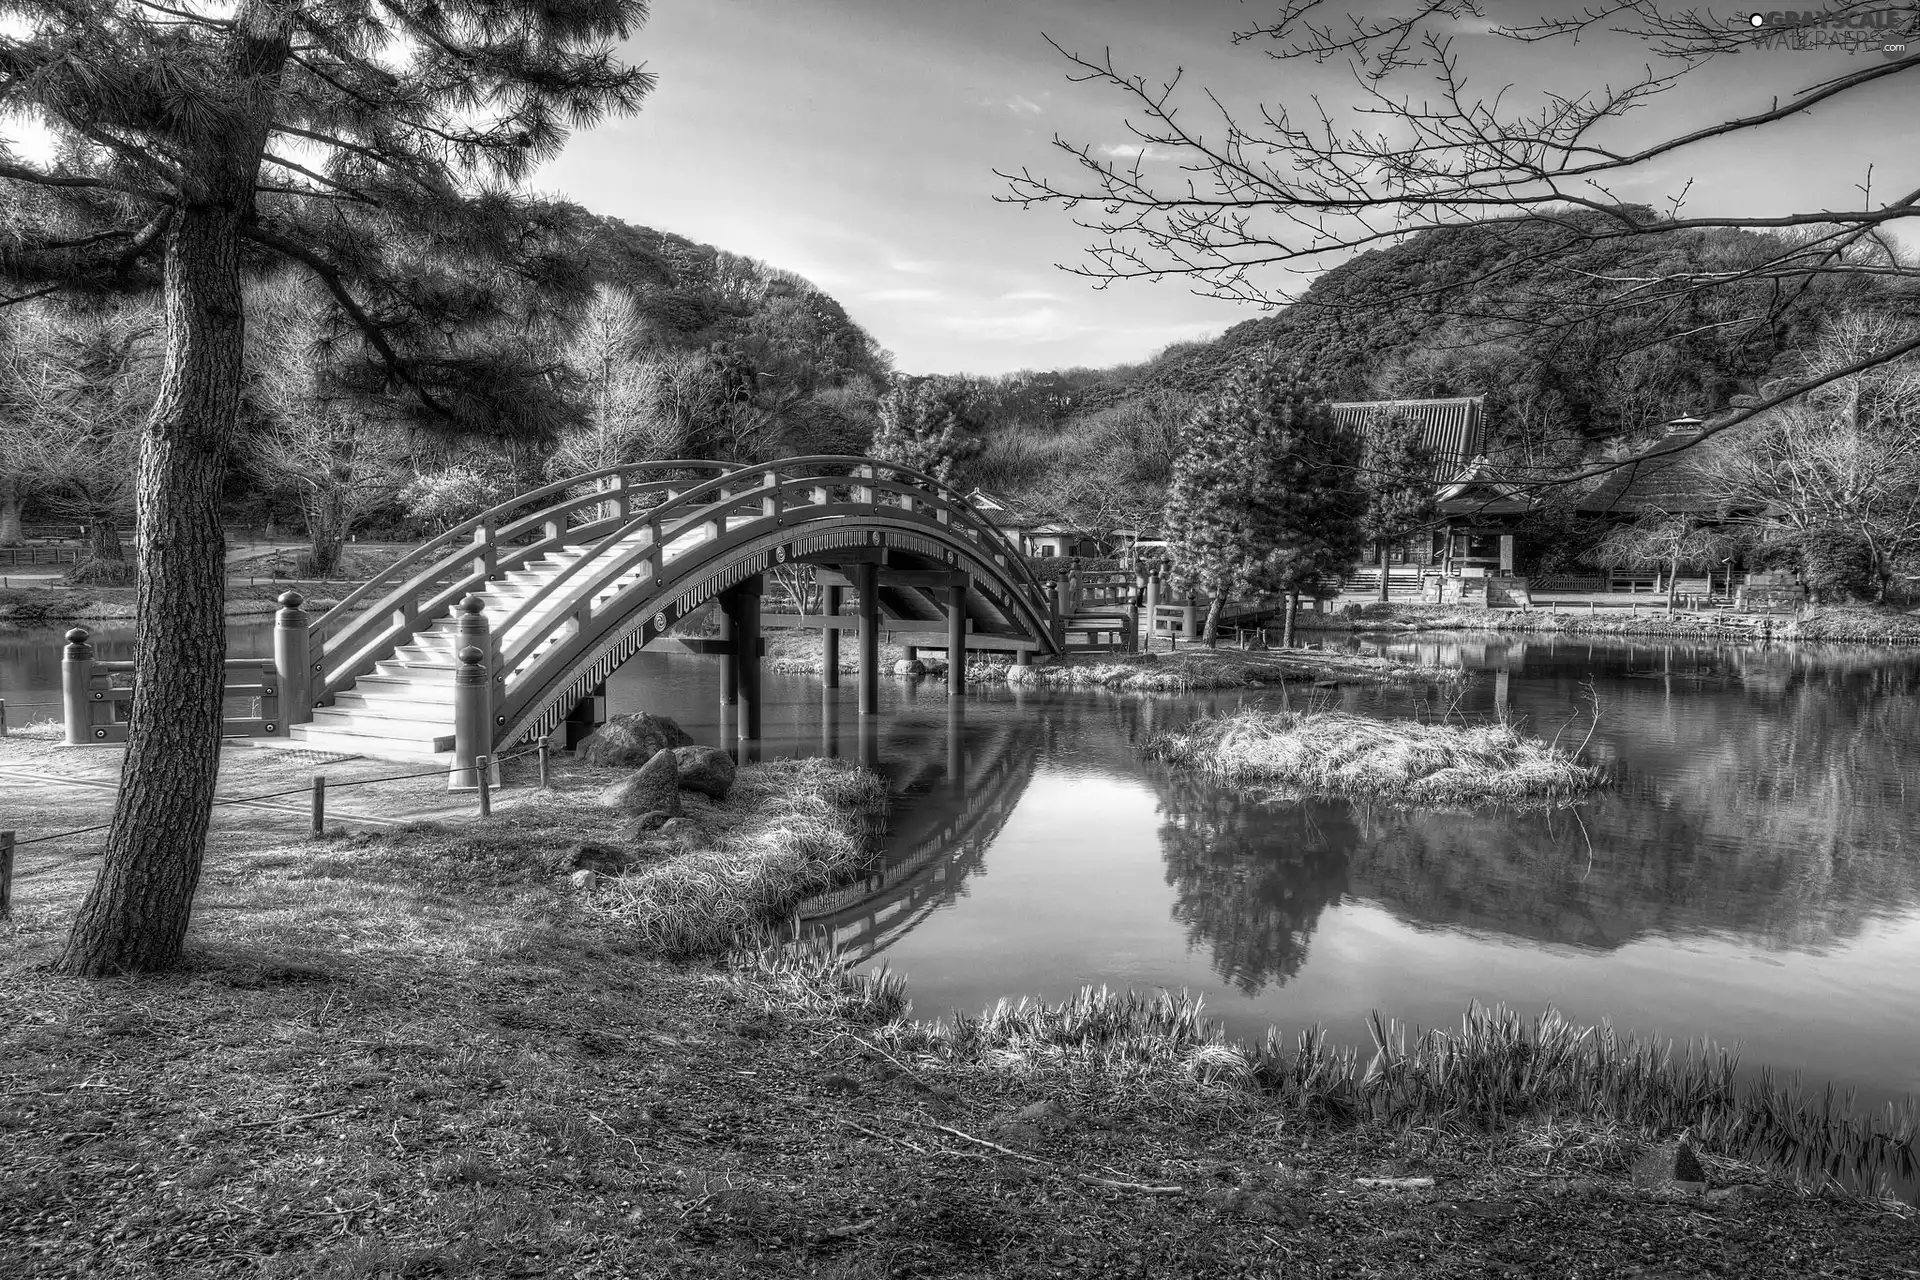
(1842, 461)
(78, 387)
(341, 454)
(1236, 203)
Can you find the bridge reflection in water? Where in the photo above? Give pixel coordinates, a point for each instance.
(960, 783)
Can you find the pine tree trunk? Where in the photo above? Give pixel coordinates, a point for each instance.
(135, 916)
(1211, 632)
(10, 508)
(1286, 619)
(1384, 596)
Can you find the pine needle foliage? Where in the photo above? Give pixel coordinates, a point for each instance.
(1265, 496)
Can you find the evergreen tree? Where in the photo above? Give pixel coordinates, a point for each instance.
(1396, 474)
(925, 423)
(1265, 495)
(379, 145)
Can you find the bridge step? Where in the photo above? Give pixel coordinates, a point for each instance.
(410, 732)
(380, 748)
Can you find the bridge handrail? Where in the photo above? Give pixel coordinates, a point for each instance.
(421, 585)
(344, 629)
(488, 522)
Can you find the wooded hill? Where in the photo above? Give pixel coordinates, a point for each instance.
(1530, 317)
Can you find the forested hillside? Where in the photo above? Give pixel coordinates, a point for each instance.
(1566, 372)
(683, 350)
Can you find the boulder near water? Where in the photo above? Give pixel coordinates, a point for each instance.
(631, 739)
(708, 770)
(654, 788)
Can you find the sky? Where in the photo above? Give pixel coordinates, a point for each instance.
(854, 142)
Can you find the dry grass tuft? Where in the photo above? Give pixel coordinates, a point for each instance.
(1335, 753)
(789, 827)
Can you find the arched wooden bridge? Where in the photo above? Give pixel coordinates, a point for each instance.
(548, 593)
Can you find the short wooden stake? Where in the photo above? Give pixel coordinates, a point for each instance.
(6, 874)
(319, 804)
(482, 766)
(543, 764)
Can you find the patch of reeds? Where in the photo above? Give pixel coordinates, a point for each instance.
(788, 828)
(1498, 1068)
(1336, 753)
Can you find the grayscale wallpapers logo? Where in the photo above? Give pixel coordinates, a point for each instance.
(1887, 32)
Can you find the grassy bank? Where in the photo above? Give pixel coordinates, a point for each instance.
(423, 1052)
(1851, 623)
(1333, 753)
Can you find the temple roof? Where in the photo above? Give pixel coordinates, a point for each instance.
(1454, 429)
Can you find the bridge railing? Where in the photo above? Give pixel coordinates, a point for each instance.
(431, 578)
(735, 506)
(632, 519)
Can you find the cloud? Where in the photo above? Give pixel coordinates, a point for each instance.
(1030, 295)
(1022, 106)
(1133, 151)
(913, 266)
(903, 295)
(1033, 324)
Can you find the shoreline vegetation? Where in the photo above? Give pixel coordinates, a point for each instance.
(1328, 753)
(1185, 670)
(1838, 623)
(443, 1050)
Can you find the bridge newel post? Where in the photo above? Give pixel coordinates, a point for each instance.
(290, 663)
(866, 581)
(830, 636)
(76, 672)
(770, 501)
(956, 641)
(1153, 608)
(472, 721)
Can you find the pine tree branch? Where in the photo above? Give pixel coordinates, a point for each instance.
(41, 178)
(336, 285)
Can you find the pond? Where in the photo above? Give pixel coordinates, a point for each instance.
(1753, 877)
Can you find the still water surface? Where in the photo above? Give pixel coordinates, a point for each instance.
(1754, 877)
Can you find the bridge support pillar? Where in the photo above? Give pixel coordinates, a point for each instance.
(742, 607)
(587, 715)
(830, 637)
(866, 581)
(957, 749)
(956, 641)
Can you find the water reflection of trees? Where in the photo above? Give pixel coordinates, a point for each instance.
(1250, 879)
(1772, 795)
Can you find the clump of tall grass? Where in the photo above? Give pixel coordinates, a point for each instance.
(1499, 1068)
(813, 975)
(1335, 753)
(787, 829)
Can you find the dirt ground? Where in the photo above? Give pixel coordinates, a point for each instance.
(418, 1051)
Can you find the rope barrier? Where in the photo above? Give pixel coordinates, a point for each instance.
(294, 791)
